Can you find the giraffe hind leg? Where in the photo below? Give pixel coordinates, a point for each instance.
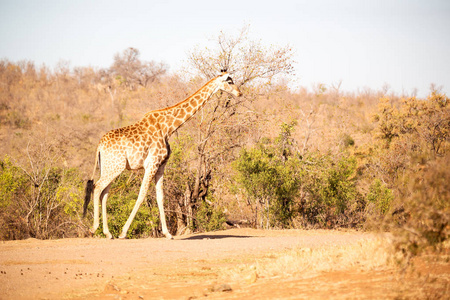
(101, 192)
(104, 197)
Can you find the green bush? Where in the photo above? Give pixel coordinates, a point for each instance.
(11, 181)
(267, 173)
(330, 197)
(145, 223)
(13, 184)
(43, 204)
(380, 196)
(209, 217)
(317, 190)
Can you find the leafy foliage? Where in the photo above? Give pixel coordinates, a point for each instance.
(380, 196)
(45, 209)
(330, 197)
(317, 190)
(267, 173)
(209, 217)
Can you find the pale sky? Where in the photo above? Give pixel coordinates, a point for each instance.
(363, 43)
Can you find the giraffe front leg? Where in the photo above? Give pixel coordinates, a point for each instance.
(160, 199)
(142, 193)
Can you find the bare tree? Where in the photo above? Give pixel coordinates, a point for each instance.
(133, 72)
(222, 124)
(248, 60)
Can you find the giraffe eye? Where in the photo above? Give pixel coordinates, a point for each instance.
(230, 81)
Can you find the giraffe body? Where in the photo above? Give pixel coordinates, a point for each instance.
(144, 144)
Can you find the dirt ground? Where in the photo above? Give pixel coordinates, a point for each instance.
(216, 265)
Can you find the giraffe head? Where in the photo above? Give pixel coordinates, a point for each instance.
(226, 84)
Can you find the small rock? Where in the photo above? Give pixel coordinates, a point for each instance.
(253, 277)
(224, 287)
(114, 287)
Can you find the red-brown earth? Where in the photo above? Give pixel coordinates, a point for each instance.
(230, 264)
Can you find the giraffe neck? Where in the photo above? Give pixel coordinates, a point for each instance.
(182, 112)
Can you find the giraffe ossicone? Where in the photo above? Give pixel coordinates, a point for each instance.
(144, 144)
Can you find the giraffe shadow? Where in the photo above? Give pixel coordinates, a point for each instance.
(215, 237)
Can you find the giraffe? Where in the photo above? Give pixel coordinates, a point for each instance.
(144, 144)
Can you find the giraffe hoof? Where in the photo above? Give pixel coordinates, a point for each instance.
(169, 236)
(122, 236)
(109, 236)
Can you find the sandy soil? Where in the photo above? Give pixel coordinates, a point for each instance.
(190, 267)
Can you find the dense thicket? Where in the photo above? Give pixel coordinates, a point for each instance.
(274, 158)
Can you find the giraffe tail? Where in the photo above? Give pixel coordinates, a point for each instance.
(90, 185)
(88, 194)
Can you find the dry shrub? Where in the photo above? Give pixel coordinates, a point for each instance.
(412, 158)
(427, 210)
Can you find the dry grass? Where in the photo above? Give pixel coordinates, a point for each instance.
(367, 255)
(365, 269)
